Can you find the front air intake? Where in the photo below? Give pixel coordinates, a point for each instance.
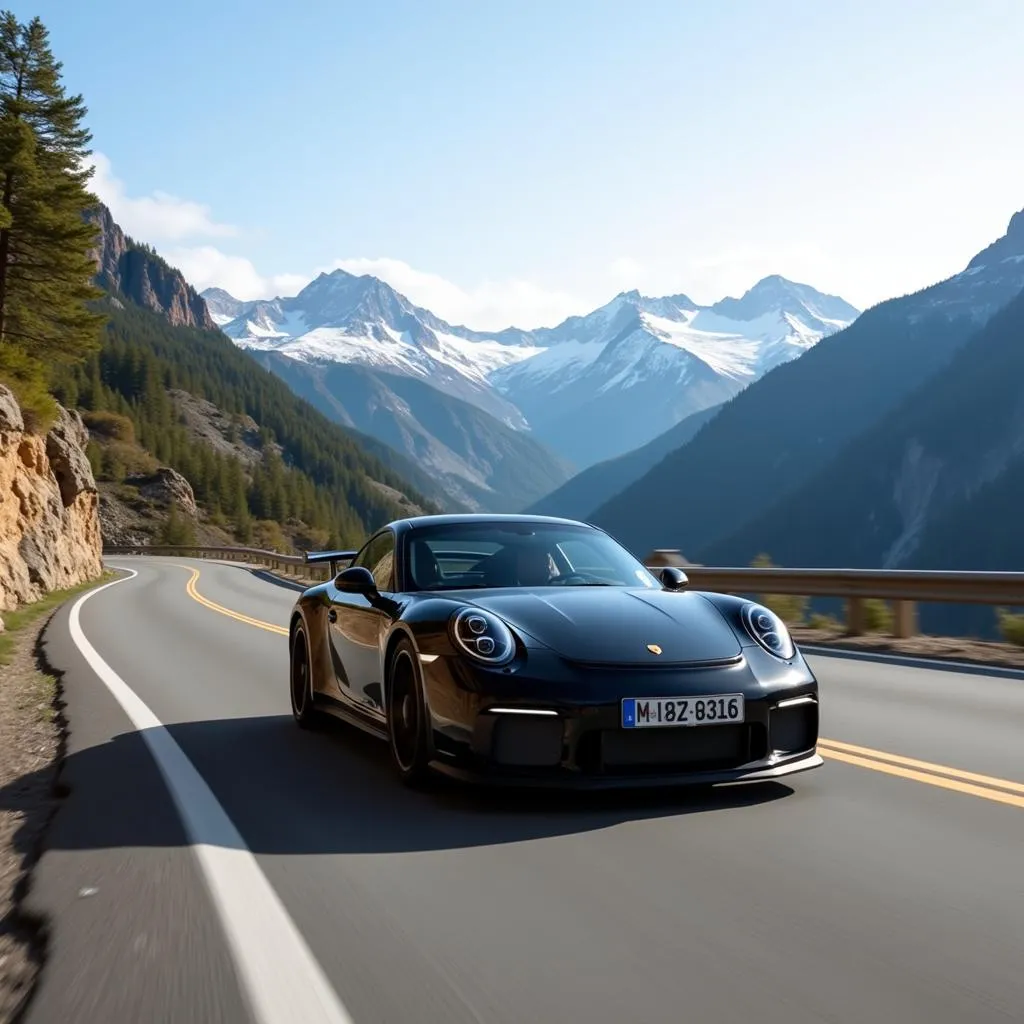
(532, 741)
(793, 727)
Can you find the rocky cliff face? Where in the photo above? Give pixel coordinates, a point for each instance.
(49, 520)
(135, 271)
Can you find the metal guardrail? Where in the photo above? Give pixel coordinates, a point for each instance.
(903, 589)
(231, 554)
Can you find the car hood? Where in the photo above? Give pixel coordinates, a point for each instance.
(613, 625)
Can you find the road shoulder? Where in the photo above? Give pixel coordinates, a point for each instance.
(32, 737)
(113, 920)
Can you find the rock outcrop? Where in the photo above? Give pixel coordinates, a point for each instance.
(49, 518)
(125, 267)
(168, 487)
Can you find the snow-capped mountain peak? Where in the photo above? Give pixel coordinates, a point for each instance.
(777, 294)
(341, 298)
(654, 360)
(223, 306)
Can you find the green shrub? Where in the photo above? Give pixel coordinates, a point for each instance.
(827, 622)
(268, 536)
(178, 529)
(1011, 627)
(111, 425)
(878, 616)
(28, 380)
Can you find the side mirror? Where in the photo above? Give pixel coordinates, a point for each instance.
(356, 579)
(673, 578)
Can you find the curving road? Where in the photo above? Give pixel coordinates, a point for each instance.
(886, 886)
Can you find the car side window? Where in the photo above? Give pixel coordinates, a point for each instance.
(379, 557)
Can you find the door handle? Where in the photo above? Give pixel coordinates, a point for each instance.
(332, 616)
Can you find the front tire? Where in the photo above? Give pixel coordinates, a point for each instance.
(300, 682)
(408, 729)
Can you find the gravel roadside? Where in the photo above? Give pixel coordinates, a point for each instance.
(32, 730)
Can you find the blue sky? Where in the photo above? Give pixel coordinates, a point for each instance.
(522, 161)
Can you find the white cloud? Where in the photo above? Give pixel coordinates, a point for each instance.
(205, 266)
(732, 271)
(171, 223)
(159, 217)
(491, 305)
(168, 223)
(625, 273)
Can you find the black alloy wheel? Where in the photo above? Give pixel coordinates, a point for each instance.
(407, 717)
(300, 682)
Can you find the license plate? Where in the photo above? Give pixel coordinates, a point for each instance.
(644, 712)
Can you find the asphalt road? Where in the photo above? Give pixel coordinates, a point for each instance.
(868, 890)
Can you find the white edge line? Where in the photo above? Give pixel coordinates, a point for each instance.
(280, 976)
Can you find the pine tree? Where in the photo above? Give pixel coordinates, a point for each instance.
(45, 268)
(178, 529)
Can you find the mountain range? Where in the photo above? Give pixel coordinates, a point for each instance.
(505, 418)
(805, 466)
(908, 490)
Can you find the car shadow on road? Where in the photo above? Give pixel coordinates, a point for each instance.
(327, 792)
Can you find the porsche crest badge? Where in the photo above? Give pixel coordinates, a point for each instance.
(654, 648)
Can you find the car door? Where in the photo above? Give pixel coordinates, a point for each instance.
(358, 625)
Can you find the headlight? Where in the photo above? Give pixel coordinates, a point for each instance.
(769, 631)
(483, 636)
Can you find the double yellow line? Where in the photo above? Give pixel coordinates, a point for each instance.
(987, 787)
(190, 589)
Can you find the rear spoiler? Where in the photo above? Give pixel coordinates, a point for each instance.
(334, 557)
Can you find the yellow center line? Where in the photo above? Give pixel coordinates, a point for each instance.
(190, 589)
(836, 747)
(998, 795)
(971, 783)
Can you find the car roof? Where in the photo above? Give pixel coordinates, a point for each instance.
(474, 518)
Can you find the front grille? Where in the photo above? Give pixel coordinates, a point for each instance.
(704, 748)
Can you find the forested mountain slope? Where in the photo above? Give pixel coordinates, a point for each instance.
(777, 434)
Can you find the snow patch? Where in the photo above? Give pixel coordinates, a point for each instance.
(479, 359)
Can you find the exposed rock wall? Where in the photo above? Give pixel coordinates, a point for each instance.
(140, 275)
(49, 509)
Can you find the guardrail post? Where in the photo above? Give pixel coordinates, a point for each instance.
(856, 619)
(904, 615)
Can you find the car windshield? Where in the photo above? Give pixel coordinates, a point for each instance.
(495, 554)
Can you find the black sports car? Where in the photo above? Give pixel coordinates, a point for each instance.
(535, 650)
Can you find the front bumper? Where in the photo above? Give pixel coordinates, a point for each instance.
(583, 745)
(568, 780)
